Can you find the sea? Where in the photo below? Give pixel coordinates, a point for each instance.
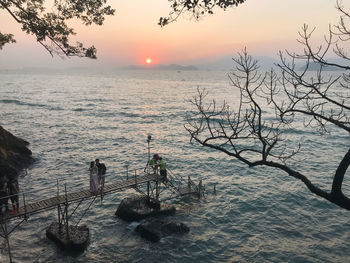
(72, 117)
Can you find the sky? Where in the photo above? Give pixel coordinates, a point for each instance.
(132, 35)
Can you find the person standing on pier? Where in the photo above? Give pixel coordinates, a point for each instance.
(153, 163)
(3, 194)
(162, 167)
(93, 177)
(13, 190)
(101, 173)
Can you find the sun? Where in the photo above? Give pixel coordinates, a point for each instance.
(148, 61)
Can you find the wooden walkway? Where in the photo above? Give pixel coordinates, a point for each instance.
(52, 202)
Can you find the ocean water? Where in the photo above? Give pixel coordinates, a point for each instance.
(256, 215)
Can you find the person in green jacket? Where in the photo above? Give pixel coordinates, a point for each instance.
(153, 163)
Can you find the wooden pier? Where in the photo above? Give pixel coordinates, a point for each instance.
(53, 202)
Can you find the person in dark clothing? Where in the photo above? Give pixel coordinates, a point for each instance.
(13, 190)
(3, 195)
(162, 167)
(101, 172)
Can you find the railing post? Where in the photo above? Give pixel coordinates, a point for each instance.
(135, 178)
(58, 209)
(25, 207)
(200, 188)
(127, 172)
(66, 208)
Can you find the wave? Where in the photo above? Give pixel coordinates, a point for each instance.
(130, 114)
(80, 109)
(22, 103)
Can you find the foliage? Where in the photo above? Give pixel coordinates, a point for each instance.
(50, 27)
(197, 8)
(6, 38)
(52, 31)
(246, 133)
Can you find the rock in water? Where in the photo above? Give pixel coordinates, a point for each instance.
(154, 229)
(78, 240)
(14, 154)
(140, 207)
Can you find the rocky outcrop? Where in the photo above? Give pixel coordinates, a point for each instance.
(77, 241)
(154, 229)
(14, 154)
(140, 207)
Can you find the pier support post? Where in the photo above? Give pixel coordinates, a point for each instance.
(157, 190)
(148, 187)
(7, 238)
(8, 242)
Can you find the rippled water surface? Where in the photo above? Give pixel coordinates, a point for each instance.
(256, 215)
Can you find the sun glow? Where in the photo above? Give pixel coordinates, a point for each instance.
(148, 61)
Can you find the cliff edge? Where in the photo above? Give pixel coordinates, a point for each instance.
(14, 154)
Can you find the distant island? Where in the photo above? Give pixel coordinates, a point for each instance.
(160, 67)
(316, 67)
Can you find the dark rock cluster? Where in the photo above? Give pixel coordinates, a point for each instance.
(14, 154)
(140, 207)
(77, 241)
(152, 212)
(154, 229)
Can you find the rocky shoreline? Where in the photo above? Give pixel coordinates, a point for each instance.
(14, 154)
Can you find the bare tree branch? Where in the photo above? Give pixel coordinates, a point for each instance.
(314, 98)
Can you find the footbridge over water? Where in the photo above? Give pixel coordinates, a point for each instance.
(142, 181)
(180, 188)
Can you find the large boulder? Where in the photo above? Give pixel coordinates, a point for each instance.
(14, 154)
(77, 241)
(140, 207)
(154, 229)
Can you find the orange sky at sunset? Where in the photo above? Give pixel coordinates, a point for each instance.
(132, 35)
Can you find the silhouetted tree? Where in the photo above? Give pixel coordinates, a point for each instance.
(52, 31)
(249, 133)
(50, 27)
(196, 8)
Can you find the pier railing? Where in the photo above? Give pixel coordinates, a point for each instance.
(81, 184)
(67, 184)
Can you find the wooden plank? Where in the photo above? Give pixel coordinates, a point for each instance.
(50, 203)
(47, 204)
(74, 196)
(32, 207)
(85, 193)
